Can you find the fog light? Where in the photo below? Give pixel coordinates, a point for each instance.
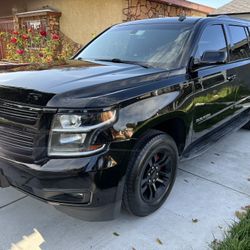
(74, 197)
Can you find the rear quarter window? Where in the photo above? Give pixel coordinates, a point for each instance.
(240, 44)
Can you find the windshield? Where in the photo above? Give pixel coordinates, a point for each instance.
(158, 45)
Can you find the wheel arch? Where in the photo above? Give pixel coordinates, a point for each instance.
(177, 125)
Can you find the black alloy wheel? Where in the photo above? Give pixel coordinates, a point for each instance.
(156, 176)
(151, 173)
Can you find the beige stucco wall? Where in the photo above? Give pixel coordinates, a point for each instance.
(82, 19)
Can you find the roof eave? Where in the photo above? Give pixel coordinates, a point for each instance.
(229, 14)
(40, 12)
(189, 5)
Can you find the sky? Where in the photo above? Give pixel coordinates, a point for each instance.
(212, 3)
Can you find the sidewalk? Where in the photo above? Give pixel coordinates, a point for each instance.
(208, 192)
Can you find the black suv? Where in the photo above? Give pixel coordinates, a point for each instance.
(109, 127)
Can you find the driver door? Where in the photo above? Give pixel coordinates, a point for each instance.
(215, 88)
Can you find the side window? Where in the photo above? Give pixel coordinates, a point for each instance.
(212, 39)
(240, 49)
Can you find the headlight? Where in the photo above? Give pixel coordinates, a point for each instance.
(72, 134)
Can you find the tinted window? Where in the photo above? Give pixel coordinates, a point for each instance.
(212, 39)
(239, 38)
(156, 45)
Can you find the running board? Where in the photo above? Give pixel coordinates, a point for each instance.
(203, 144)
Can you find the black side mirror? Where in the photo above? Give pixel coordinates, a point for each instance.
(213, 58)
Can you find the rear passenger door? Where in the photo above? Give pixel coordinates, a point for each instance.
(240, 63)
(215, 86)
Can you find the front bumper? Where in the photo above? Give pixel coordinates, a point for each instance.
(88, 188)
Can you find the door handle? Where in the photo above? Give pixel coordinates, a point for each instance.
(231, 78)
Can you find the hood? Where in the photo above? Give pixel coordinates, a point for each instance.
(76, 79)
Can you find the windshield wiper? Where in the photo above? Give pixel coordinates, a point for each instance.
(117, 60)
(83, 59)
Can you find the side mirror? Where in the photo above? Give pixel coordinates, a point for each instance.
(213, 58)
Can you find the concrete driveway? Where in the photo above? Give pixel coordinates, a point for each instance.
(208, 191)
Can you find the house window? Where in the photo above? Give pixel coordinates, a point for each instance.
(35, 24)
(45, 19)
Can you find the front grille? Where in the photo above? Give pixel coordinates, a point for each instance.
(15, 140)
(18, 113)
(20, 130)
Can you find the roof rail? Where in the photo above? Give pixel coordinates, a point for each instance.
(222, 16)
(182, 18)
(231, 17)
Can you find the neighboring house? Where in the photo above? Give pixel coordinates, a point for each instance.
(236, 8)
(81, 20)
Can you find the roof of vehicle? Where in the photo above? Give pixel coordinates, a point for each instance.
(187, 20)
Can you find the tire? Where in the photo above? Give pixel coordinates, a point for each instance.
(151, 173)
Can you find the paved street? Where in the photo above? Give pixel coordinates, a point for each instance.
(208, 191)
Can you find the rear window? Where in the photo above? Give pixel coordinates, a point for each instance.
(240, 49)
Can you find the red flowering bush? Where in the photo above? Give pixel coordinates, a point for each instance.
(43, 33)
(13, 40)
(25, 37)
(20, 51)
(55, 37)
(37, 46)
